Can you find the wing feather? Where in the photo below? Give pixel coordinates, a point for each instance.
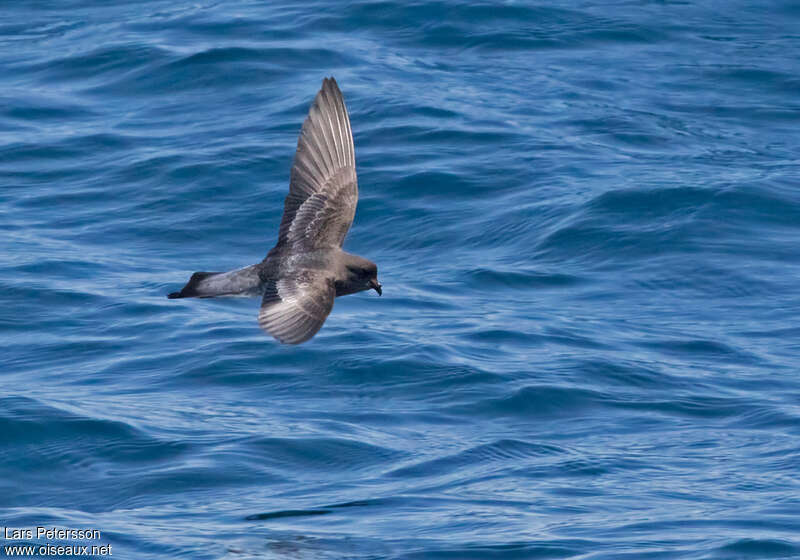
(295, 306)
(323, 191)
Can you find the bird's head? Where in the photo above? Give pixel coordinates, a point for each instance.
(362, 274)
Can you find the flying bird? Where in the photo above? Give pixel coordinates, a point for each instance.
(307, 268)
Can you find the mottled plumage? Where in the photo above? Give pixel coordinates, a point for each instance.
(307, 269)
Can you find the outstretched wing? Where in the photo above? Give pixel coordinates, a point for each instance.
(295, 306)
(323, 191)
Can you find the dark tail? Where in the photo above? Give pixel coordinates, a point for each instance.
(192, 287)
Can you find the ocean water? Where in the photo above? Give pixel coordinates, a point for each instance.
(586, 218)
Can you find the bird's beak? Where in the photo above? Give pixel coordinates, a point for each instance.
(375, 285)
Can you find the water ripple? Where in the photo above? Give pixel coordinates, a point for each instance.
(586, 222)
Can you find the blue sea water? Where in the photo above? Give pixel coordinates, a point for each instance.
(586, 218)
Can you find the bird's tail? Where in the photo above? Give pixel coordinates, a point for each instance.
(197, 286)
(241, 282)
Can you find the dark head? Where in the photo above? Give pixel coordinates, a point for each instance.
(359, 275)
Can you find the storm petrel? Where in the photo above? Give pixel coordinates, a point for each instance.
(307, 268)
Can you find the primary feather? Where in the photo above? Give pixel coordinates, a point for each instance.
(323, 190)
